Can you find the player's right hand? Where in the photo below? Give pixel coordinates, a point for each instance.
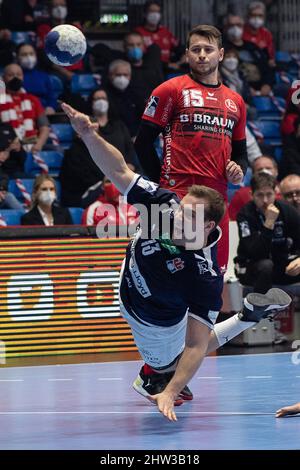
(165, 404)
(81, 123)
(288, 410)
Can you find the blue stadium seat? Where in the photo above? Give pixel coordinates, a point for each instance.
(83, 84)
(13, 188)
(278, 153)
(18, 37)
(11, 216)
(266, 108)
(64, 133)
(283, 56)
(52, 158)
(57, 84)
(270, 131)
(76, 214)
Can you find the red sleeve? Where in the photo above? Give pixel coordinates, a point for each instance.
(288, 125)
(37, 106)
(239, 132)
(161, 104)
(270, 45)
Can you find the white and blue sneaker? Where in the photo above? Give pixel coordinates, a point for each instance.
(259, 306)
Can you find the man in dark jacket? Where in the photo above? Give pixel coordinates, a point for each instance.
(269, 231)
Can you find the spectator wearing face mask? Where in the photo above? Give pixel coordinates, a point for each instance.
(262, 165)
(58, 16)
(232, 77)
(125, 101)
(36, 82)
(255, 31)
(290, 190)
(154, 33)
(109, 208)
(78, 171)
(290, 161)
(253, 61)
(44, 209)
(23, 111)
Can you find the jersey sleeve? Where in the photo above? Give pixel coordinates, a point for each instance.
(143, 191)
(239, 132)
(160, 106)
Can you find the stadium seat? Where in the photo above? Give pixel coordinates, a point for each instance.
(13, 188)
(65, 133)
(11, 216)
(19, 37)
(266, 108)
(83, 84)
(270, 131)
(57, 85)
(278, 153)
(283, 56)
(76, 214)
(52, 158)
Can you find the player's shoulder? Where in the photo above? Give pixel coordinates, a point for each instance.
(231, 94)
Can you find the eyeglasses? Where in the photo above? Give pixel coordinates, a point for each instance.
(292, 194)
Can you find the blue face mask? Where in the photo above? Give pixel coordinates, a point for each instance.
(135, 54)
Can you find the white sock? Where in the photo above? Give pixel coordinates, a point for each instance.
(228, 329)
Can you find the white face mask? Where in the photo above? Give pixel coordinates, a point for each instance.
(121, 82)
(153, 18)
(60, 12)
(100, 106)
(231, 63)
(28, 62)
(235, 32)
(47, 197)
(266, 171)
(256, 22)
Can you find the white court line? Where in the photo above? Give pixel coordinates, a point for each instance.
(11, 380)
(204, 413)
(211, 377)
(258, 376)
(111, 378)
(59, 380)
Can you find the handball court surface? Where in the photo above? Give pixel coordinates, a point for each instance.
(93, 406)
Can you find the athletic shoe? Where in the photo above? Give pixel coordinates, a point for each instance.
(186, 394)
(151, 384)
(259, 306)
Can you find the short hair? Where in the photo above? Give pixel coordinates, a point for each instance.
(209, 32)
(23, 44)
(272, 160)
(254, 5)
(291, 178)
(216, 204)
(262, 180)
(116, 63)
(151, 2)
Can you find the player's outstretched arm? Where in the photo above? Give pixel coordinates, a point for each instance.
(288, 410)
(106, 156)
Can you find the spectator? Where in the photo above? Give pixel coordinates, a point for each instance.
(242, 196)
(256, 32)
(232, 77)
(23, 110)
(36, 81)
(290, 161)
(78, 170)
(253, 60)
(290, 190)
(7, 199)
(45, 210)
(109, 208)
(125, 102)
(12, 156)
(269, 231)
(154, 33)
(291, 118)
(253, 149)
(7, 48)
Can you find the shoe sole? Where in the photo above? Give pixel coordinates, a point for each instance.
(137, 386)
(276, 299)
(185, 397)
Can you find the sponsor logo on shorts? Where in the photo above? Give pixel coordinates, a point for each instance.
(151, 106)
(175, 265)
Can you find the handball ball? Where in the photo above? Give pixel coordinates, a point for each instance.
(65, 45)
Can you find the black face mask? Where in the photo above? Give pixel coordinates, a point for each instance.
(15, 84)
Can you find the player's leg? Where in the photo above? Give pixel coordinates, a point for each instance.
(288, 410)
(256, 307)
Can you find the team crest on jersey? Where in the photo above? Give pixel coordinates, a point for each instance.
(231, 105)
(151, 106)
(175, 265)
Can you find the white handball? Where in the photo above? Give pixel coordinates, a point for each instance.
(65, 45)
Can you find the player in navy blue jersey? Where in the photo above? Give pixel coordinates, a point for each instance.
(171, 286)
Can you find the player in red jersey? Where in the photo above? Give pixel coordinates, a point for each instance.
(203, 124)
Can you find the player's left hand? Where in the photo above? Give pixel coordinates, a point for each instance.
(165, 404)
(234, 172)
(288, 410)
